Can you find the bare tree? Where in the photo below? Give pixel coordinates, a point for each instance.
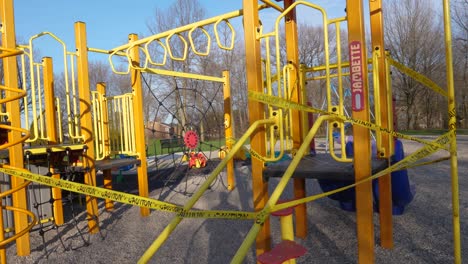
(460, 51)
(181, 12)
(414, 38)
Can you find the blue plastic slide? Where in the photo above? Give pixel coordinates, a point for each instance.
(402, 193)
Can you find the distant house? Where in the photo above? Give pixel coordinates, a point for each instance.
(158, 130)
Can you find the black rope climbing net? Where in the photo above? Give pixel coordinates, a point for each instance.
(187, 129)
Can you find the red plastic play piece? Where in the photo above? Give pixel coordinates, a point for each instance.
(282, 252)
(285, 211)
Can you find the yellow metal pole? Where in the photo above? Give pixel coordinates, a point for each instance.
(13, 108)
(51, 129)
(101, 89)
(256, 112)
(287, 227)
(287, 231)
(138, 96)
(228, 130)
(292, 54)
(360, 110)
(304, 115)
(383, 149)
(3, 257)
(86, 122)
(452, 127)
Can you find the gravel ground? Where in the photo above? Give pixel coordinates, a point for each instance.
(422, 235)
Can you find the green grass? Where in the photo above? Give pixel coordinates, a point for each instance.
(154, 147)
(432, 132)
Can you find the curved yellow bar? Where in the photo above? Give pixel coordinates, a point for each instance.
(192, 44)
(24, 231)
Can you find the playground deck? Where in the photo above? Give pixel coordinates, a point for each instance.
(422, 234)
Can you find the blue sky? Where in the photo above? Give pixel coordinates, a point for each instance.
(109, 22)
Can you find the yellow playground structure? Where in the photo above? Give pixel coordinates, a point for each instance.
(36, 150)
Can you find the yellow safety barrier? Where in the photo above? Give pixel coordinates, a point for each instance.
(97, 101)
(121, 120)
(120, 124)
(340, 108)
(36, 91)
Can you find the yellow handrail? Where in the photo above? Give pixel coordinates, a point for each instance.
(96, 102)
(34, 69)
(377, 107)
(280, 81)
(340, 108)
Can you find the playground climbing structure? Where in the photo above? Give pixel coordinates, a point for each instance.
(278, 113)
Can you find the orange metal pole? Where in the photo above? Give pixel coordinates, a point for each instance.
(51, 124)
(360, 110)
(383, 151)
(13, 108)
(256, 112)
(228, 129)
(107, 174)
(292, 54)
(137, 88)
(86, 122)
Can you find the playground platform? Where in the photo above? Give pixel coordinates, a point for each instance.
(422, 234)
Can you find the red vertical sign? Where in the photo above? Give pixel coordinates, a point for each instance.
(356, 73)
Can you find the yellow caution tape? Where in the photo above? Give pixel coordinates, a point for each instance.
(417, 76)
(231, 140)
(125, 198)
(428, 149)
(257, 155)
(403, 164)
(284, 103)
